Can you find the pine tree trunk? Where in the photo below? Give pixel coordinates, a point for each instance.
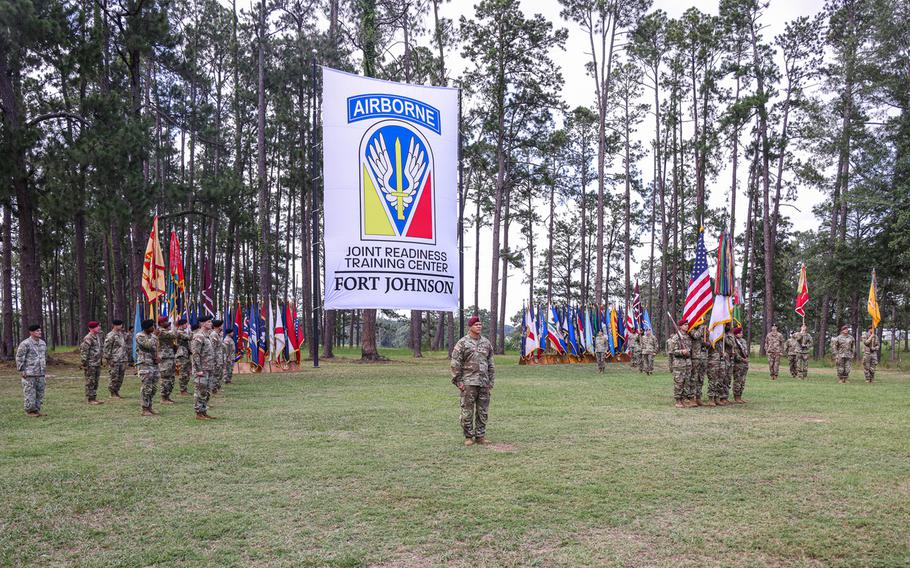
(265, 261)
(7, 269)
(416, 332)
(328, 335)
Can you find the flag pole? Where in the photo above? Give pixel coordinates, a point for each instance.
(460, 222)
(315, 220)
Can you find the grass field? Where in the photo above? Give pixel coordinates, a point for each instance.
(353, 465)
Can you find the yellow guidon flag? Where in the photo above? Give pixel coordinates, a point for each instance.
(872, 305)
(153, 267)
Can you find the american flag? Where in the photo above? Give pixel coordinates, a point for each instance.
(698, 298)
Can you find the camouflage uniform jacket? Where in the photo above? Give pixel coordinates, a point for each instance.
(201, 352)
(167, 344)
(648, 344)
(791, 347)
(740, 350)
(90, 350)
(803, 342)
(600, 344)
(842, 347)
(699, 345)
(870, 344)
(472, 362)
(147, 351)
(115, 348)
(634, 342)
(774, 343)
(31, 357)
(228, 344)
(184, 336)
(680, 351)
(217, 351)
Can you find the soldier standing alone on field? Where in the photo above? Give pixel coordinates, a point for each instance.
(871, 347)
(147, 361)
(842, 351)
(679, 350)
(184, 335)
(774, 345)
(117, 358)
(803, 345)
(700, 346)
(648, 349)
(31, 362)
(474, 373)
(202, 354)
(792, 351)
(600, 350)
(740, 364)
(90, 361)
(167, 352)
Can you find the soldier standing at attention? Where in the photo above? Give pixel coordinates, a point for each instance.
(116, 356)
(648, 349)
(803, 345)
(729, 345)
(218, 362)
(792, 351)
(699, 361)
(184, 335)
(842, 350)
(871, 348)
(717, 369)
(229, 348)
(634, 349)
(740, 364)
(147, 361)
(167, 352)
(474, 373)
(600, 350)
(774, 345)
(90, 361)
(31, 361)
(203, 357)
(679, 351)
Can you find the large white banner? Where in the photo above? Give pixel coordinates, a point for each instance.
(391, 210)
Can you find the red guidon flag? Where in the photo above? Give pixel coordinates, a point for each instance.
(802, 292)
(153, 266)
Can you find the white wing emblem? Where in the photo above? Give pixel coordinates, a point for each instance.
(381, 161)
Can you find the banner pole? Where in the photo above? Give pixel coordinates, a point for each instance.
(460, 222)
(314, 205)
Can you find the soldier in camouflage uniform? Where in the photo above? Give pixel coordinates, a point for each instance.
(648, 349)
(147, 361)
(474, 373)
(117, 358)
(718, 361)
(600, 350)
(31, 361)
(740, 364)
(803, 345)
(218, 370)
(634, 349)
(202, 355)
(679, 350)
(229, 350)
(182, 356)
(90, 361)
(871, 348)
(774, 346)
(792, 350)
(729, 346)
(700, 345)
(842, 351)
(167, 352)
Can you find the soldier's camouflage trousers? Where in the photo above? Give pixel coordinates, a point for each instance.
(149, 380)
(601, 361)
(201, 393)
(647, 363)
(229, 372)
(869, 363)
(167, 368)
(843, 368)
(634, 358)
(681, 382)
(717, 370)
(115, 377)
(33, 393)
(475, 409)
(794, 366)
(728, 382)
(802, 365)
(91, 382)
(699, 369)
(217, 377)
(739, 378)
(183, 372)
(774, 364)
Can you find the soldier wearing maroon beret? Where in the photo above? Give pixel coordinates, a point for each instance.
(473, 372)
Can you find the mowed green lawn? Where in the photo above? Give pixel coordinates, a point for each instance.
(353, 464)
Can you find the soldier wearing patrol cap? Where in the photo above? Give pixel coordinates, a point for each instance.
(202, 354)
(117, 357)
(842, 350)
(167, 353)
(90, 361)
(31, 362)
(147, 361)
(473, 372)
(184, 335)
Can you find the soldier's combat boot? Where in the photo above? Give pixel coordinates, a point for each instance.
(115, 395)
(690, 403)
(32, 414)
(680, 404)
(209, 417)
(722, 402)
(166, 400)
(712, 401)
(469, 441)
(184, 392)
(698, 401)
(482, 441)
(738, 400)
(146, 411)
(200, 416)
(94, 401)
